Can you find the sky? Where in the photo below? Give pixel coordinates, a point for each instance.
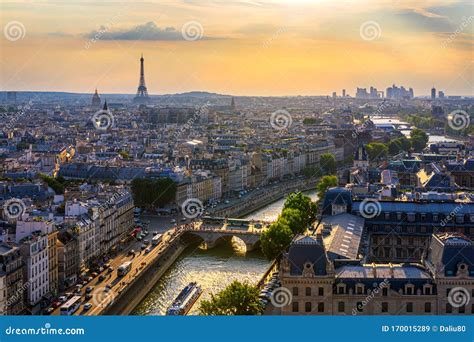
(248, 47)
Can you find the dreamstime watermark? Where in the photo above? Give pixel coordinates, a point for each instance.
(192, 30)
(98, 35)
(201, 112)
(17, 116)
(459, 119)
(376, 290)
(14, 30)
(102, 297)
(359, 129)
(275, 36)
(458, 296)
(281, 297)
(451, 215)
(46, 330)
(14, 208)
(464, 23)
(370, 208)
(18, 295)
(281, 119)
(103, 119)
(192, 208)
(370, 30)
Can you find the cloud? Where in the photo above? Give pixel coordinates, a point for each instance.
(424, 21)
(148, 31)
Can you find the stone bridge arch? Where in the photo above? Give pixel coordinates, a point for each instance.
(212, 238)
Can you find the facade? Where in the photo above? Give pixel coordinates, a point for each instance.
(11, 263)
(321, 286)
(35, 253)
(68, 260)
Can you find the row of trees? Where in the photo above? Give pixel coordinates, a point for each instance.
(298, 213)
(417, 142)
(152, 193)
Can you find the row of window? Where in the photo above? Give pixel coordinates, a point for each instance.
(424, 217)
(408, 290)
(308, 291)
(384, 307)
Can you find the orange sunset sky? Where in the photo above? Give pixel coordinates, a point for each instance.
(272, 47)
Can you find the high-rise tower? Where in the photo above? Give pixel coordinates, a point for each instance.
(142, 92)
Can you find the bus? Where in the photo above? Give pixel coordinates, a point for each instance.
(71, 306)
(156, 239)
(124, 268)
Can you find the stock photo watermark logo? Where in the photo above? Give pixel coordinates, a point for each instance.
(375, 290)
(370, 208)
(102, 297)
(14, 30)
(103, 120)
(370, 30)
(464, 24)
(458, 296)
(14, 208)
(281, 297)
(281, 119)
(459, 119)
(192, 208)
(451, 215)
(192, 30)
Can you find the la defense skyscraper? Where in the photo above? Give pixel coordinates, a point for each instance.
(142, 93)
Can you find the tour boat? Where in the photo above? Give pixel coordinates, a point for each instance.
(185, 300)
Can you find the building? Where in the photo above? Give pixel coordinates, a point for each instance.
(321, 285)
(68, 259)
(96, 103)
(35, 253)
(11, 263)
(433, 93)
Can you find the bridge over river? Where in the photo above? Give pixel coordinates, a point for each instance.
(214, 230)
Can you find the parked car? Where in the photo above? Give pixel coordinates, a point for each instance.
(173, 221)
(48, 311)
(89, 289)
(148, 250)
(101, 278)
(88, 296)
(87, 306)
(56, 303)
(62, 299)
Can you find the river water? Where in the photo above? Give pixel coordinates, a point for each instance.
(213, 269)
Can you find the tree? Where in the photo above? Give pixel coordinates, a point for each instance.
(276, 239)
(304, 204)
(149, 193)
(376, 151)
(419, 139)
(294, 219)
(328, 163)
(325, 183)
(236, 299)
(398, 145)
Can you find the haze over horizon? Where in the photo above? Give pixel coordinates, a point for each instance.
(241, 48)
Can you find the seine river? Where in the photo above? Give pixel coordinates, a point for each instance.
(213, 269)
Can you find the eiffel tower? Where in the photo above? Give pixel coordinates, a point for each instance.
(142, 92)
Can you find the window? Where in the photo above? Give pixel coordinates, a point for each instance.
(340, 290)
(296, 307)
(321, 291)
(428, 307)
(449, 308)
(321, 307)
(384, 307)
(427, 290)
(307, 307)
(295, 291)
(308, 291)
(341, 307)
(409, 290)
(409, 307)
(359, 289)
(384, 291)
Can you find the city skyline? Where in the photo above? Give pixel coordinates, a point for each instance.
(243, 48)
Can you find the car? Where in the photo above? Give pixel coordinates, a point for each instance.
(107, 265)
(131, 252)
(69, 295)
(154, 233)
(148, 250)
(183, 219)
(89, 289)
(173, 221)
(56, 303)
(106, 289)
(48, 311)
(110, 269)
(89, 279)
(88, 296)
(146, 242)
(62, 299)
(101, 269)
(94, 274)
(101, 278)
(87, 306)
(143, 246)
